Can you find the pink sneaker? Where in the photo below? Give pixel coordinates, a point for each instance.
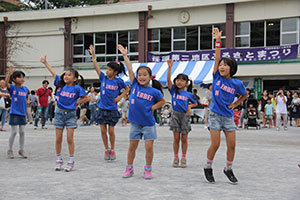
(147, 173)
(106, 155)
(128, 172)
(112, 155)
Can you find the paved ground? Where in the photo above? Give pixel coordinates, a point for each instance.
(266, 166)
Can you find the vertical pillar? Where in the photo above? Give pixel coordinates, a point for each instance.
(143, 17)
(3, 56)
(67, 43)
(229, 26)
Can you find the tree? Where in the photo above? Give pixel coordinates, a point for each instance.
(11, 5)
(52, 4)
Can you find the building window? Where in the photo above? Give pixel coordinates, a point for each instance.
(153, 40)
(273, 32)
(206, 37)
(178, 39)
(289, 31)
(242, 34)
(257, 34)
(192, 38)
(106, 46)
(165, 39)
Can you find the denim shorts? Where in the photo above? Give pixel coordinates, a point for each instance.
(17, 120)
(138, 131)
(219, 122)
(65, 118)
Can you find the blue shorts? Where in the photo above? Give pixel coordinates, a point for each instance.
(65, 118)
(15, 120)
(138, 131)
(219, 122)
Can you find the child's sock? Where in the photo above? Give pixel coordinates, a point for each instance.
(176, 156)
(183, 156)
(208, 163)
(58, 157)
(71, 159)
(228, 165)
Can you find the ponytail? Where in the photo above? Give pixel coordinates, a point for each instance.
(157, 85)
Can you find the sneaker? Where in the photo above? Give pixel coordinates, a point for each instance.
(299, 165)
(59, 164)
(176, 162)
(208, 172)
(69, 167)
(285, 128)
(128, 172)
(22, 154)
(44, 127)
(264, 127)
(106, 155)
(230, 176)
(112, 155)
(277, 129)
(35, 127)
(183, 162)
(10, 154)
(147, 173)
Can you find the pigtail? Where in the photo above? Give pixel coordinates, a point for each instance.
(117, 67)
(157, 85)
(175, 87)
(81, 82)
(60, 84)
(190, 87)
(122, 68)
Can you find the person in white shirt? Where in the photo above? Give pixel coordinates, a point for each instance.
(281, 109)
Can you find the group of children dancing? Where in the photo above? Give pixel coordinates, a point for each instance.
(145, 96)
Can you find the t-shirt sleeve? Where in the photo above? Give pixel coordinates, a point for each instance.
(102, 76)
(12, 88)
(26, 88)
(172, 91)
(57, 79)
(134, 82)
(81, 91)
(158, 95)
(121, 84)
(241, 90)
(192, 98)
(217, 74)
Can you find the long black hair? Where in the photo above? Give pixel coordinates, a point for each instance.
(232, 64)
(62, 83)
(117, 67)
(155, 83)
(16, 74)
(186, 78)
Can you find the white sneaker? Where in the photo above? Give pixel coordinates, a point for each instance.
(69, 167)
(44, 127)
(59, 164)
(277, 129)
(35, 127)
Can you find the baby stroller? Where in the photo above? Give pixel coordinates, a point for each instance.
(165, 114)
(252, 114)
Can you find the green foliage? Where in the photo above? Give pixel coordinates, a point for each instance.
(6, 7)
(40, 4)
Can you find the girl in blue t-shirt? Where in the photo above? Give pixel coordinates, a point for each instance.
(68, 96)
(146, 96)
(182, 102)
(108, 114)
(19, 98)
(224, 89)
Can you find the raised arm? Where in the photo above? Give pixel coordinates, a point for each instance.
(92, 51)
(50, 69)
(11, 70)
(170, 64)
(127, 62)
(217, 34)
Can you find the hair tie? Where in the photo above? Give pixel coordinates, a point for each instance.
(153, 77)
(117, 61)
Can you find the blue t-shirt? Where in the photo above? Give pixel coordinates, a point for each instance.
(109, 90)
(181, 101)
(140, 103)
(269, 109)
(223, 93)
(18, 100)
(67, 96)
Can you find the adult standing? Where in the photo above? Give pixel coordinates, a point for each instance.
(92, 105)
(281, 109)
(289, 106)
(296, 108)
(42, 94)
(263, 101)
(209, 100)
(3, 103)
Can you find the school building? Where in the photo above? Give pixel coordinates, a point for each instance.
(263, 36)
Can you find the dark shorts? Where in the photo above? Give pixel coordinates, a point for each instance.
(180, 122)
(110, 117)
(65, 118)
(17, 120)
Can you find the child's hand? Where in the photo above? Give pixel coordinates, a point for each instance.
(43, 59)
(188, 112)
(232, 106)
(123, 50)
(92, 50)
(11, 69)
(217, 34)
(117, 99)
(170, 63)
